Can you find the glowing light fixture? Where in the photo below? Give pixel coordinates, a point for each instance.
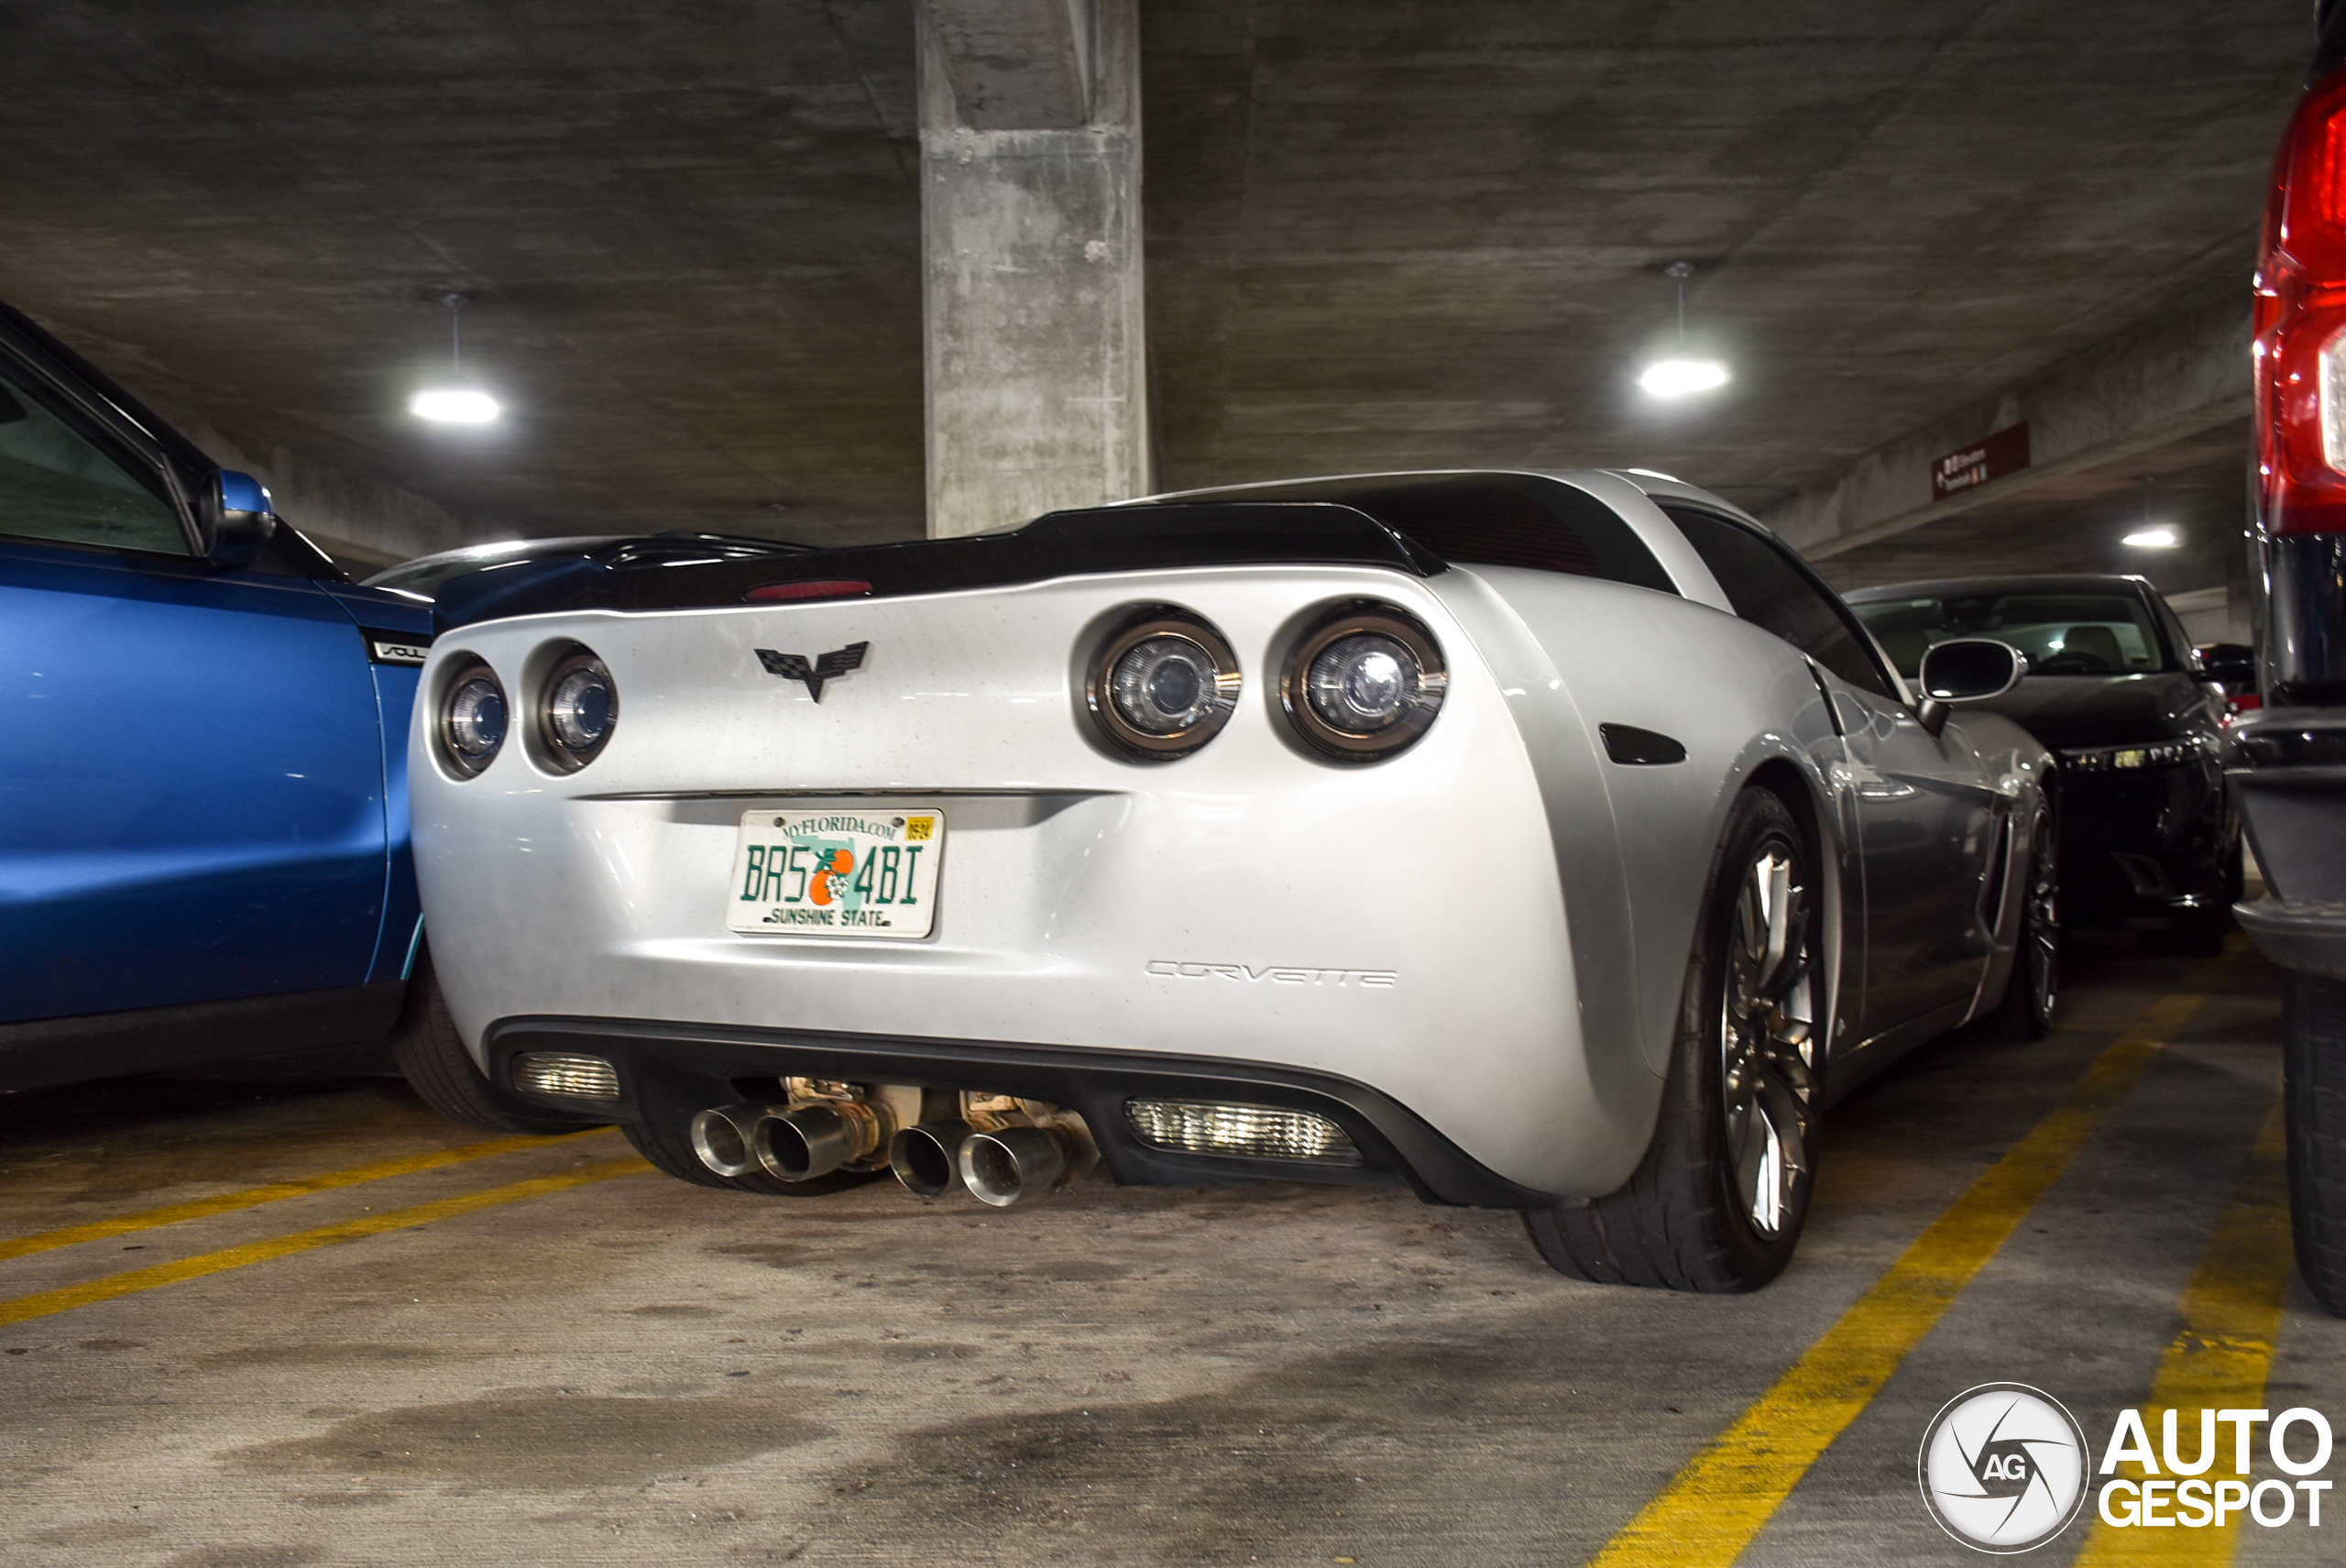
(1676, 378)
(2148, 537)
(455, 403)
(1681, 373)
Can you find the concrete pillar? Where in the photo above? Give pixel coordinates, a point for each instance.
(1037, 372)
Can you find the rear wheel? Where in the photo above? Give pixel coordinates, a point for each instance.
(2313, 1071)
(1718, 1203)
(432, 1056)
(2026, 1011)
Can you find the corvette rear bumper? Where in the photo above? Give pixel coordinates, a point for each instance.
(669, 1071)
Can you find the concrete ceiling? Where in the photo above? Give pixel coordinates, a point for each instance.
(1379, 234)
(2078, 522)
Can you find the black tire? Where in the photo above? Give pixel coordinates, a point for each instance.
(1739, 1111)
(432, 1056)
(2313, 1076)
(666, 1141)
(2025, 1012)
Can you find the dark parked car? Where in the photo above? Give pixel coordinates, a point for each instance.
(204, 843)
(2149, 838)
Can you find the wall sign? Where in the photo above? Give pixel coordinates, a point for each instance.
(2004, 453)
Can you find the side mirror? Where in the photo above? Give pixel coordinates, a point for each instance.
(1970, 669)
(236, 519)
(2232, 665)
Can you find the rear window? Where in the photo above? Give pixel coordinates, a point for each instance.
(1772, 588)
(2062, 633)
(1497, 519)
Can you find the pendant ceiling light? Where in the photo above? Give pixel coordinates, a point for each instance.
(2147, 537)
(1681, 373)
(455, 403)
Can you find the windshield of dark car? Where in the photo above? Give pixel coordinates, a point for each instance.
(2062, 633)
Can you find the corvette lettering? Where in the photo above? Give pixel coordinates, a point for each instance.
(1275, 974)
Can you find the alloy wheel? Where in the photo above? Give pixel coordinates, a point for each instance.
(2040, 931)
(1767, 1038)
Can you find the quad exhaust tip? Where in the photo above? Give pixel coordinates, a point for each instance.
(927, 1159)
(791, 1142)
(1001, 1166)
(1010, 1164)
(725, 1137)
(815, 1140)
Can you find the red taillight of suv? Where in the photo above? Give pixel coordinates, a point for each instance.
(2300, 343)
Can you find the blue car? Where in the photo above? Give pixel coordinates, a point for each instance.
(203, 818)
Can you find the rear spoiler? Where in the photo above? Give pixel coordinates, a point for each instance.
(1062, 545)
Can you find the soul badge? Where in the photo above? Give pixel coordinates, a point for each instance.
(2003, 1467)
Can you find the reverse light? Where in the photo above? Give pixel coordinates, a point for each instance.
(1259, 1131)
(1163, 685)
(473, 720)
(1364, 684)
(565, 1076)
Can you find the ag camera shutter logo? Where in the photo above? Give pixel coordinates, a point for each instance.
(2003, 1467)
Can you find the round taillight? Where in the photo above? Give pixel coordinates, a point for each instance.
(473, 720)
(1163, 685)
(578, 709)
(1364, 683)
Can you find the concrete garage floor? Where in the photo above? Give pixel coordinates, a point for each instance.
(627, 1369)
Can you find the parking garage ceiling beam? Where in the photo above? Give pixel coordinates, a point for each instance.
(2175, 376)
(1036, 358)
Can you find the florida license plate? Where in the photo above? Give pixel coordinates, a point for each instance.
(836, 873)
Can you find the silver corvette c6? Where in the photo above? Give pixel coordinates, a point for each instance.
(1556, 842)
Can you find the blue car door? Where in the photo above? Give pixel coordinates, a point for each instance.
(191, 769)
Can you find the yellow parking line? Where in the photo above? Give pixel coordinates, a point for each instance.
(65, 1299)
(1714, 1507)
(253, 1197)
(2231, 1316)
